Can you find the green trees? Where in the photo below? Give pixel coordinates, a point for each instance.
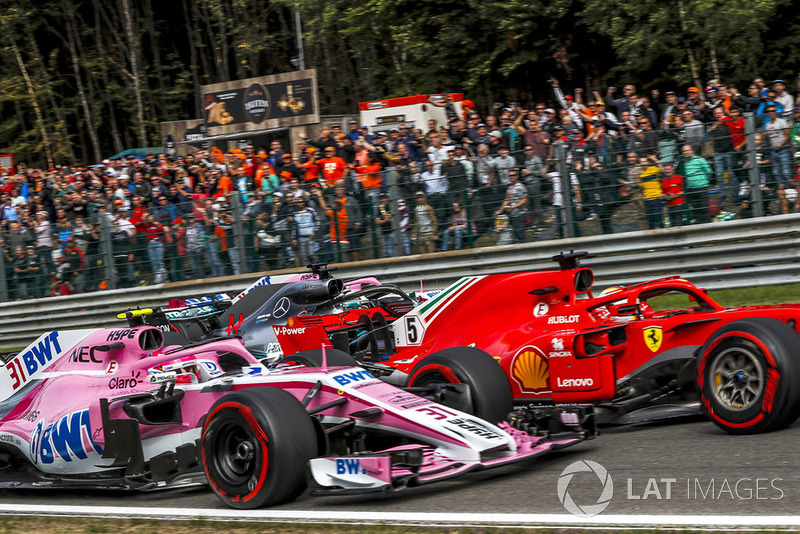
(81, 79)
(684, 41)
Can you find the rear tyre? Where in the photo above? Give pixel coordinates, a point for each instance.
(748, 378)
(490, 391)
(313, 358)
(256, 445)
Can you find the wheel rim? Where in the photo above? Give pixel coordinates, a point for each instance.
(236, 455)
(738, 378)
(431, 377)
(436, 376)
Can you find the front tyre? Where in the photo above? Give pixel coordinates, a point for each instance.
(256, 444)
(490, 392)
(748, 378)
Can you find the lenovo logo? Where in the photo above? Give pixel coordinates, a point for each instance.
(574, 382)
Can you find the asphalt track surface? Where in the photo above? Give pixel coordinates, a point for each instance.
(640, 460)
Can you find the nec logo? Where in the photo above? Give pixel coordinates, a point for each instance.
(84, 355)
(69, 436)
(348, 466)
(355, 376)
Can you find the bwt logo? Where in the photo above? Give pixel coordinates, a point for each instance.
(586, 510)
(24, 366)
(69, 436)
(348, 466)
(355, 376)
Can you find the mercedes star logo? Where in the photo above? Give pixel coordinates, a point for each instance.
(281, 308)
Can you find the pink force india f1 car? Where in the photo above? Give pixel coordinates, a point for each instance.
(123, 408)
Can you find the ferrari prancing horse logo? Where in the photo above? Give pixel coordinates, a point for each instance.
(653, 337)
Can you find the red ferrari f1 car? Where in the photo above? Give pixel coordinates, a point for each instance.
(640, 353)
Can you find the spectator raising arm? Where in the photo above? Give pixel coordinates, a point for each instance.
(568, 105)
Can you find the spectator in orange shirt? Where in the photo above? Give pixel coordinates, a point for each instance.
(263, 168)
(311, 167)
(333, 167)
(361, 155)
(338, 237)
(224, 186)
(369, 176)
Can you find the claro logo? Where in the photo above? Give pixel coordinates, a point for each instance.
(574, 382)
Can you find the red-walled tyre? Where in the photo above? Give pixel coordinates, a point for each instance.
(256, 445)
(490, 392)
(748, 378)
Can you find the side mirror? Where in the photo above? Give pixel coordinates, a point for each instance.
(624, 309)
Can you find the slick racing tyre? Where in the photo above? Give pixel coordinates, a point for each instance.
(489, 390)
(256, 444)
(748, 379)
(313, 358)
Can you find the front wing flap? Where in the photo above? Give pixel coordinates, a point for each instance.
(411, 465)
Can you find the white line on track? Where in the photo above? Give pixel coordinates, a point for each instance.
(713, 522)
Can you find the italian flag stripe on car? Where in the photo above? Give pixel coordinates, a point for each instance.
(448, 295)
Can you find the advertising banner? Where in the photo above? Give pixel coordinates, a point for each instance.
(261, 103)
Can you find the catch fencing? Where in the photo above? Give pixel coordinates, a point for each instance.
(737, 253)
(476, 196)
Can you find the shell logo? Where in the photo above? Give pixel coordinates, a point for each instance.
(531, 371)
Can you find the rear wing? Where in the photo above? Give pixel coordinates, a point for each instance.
(33, 360)
(270, 280)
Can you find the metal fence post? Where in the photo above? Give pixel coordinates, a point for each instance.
(336, 234)
(467, 200)
(3, 281)
(567, 219)
(394, 196)
(238, 232)
(107, 252)
(756, 204)
(371, 209)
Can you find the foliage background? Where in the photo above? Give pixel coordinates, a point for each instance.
(83, 79)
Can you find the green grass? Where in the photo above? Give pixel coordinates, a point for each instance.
(783, 294)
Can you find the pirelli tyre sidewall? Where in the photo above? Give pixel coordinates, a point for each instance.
(756, 352)
(256, 444)
(489, 387)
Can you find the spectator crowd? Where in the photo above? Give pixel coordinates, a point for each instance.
(626, 161)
